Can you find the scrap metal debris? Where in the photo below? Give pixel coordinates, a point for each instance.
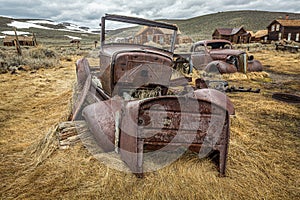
(222, 86)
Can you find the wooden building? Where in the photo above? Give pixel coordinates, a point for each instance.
(157, 35)
(184, 39)
(23, 40)
(261, 36)
(75, 42)
(287, 29)
(234, 35)
(251, 35)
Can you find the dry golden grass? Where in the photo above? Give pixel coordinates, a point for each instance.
(263, 159)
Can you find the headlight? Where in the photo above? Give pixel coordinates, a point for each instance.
(231, 59)
(251, 57)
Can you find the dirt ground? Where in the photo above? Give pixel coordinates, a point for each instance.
(263, 159)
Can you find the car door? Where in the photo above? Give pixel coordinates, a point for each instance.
(200, 57)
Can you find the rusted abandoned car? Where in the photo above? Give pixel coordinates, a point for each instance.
(219, 56)
(131, 105)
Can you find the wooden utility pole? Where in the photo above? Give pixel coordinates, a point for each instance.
(17, 43)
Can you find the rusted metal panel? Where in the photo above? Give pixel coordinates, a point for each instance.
(106, 73)
(131, 70)
(200, 60)
(101, 118)
(220, 67)
(215, 97)
(140, 71)
(181, 81)
(82, 87)
(254, 66)
(173, 121)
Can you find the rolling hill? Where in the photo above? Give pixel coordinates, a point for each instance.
(203, 26)
(198, 27)
(47, 31)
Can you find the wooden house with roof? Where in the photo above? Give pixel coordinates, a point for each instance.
(234, 35)
(261, 36)
(23, 40)
(160, 36)
(251, 35)
(288, 29)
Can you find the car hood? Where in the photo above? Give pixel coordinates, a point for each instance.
(225, 52)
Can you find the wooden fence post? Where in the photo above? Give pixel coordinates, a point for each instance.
(34, 40)
(17, 44)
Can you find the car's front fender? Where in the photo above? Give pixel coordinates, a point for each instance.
(254, 66)
(221, 67)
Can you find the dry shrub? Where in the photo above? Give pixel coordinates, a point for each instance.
(41, 52)
(256, 76)
(40, 63)
(2, 54)
(43, 148)
(34, 58)
(41, 57)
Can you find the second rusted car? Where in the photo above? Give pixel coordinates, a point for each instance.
(219, 56)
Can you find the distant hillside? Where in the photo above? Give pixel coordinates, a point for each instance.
(202, 27)
(198, 28)
(47, 31)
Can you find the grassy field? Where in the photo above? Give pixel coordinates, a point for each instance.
(263, 159)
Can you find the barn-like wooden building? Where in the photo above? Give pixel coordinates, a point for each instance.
(153, 34)
(159, 36)
(234, 35)
(23, 40)
(288, 29)
(261, 36)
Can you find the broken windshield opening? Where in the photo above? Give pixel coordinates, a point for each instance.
(142, 35)
(129, 30)
(219, 45)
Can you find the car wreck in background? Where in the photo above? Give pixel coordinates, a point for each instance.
(219, 56)
(133, 102)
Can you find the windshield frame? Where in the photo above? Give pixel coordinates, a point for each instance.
(137, 21)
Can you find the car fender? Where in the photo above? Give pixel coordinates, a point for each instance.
(254, 66)
(221, 67)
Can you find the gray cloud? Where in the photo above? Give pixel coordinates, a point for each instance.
(89, 12)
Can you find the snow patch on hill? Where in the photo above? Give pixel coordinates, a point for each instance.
(59, 26)
(42, 22)
(73, 37)
(26, 25)
(13, 33)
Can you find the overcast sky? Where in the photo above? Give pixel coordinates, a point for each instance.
(89, 12)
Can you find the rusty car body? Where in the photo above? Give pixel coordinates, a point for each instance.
(122, 120)
(219, 56)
